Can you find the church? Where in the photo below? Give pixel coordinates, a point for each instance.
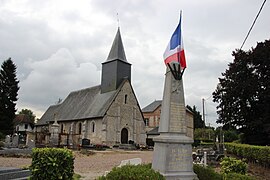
(105, 114)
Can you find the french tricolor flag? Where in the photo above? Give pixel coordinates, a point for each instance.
(175, 49)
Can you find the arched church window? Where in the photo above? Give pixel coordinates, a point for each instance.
(126, 99)
(62, 128)
(93, 127)
(80, 128)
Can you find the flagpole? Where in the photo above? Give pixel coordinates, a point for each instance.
(179, 39)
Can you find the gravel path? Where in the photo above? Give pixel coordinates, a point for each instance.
(89, 166)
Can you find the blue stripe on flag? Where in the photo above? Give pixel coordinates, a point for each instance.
(176, 37)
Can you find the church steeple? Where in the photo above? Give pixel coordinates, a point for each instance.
(117, 50)
(116, 68)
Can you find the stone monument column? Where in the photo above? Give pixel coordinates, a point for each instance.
(84, 129)
(54, 139)
(173, 151)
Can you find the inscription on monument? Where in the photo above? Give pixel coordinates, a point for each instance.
(179, 158)
(177, 121)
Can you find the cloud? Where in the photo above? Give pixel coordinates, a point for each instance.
(54, 78)
(34, 33)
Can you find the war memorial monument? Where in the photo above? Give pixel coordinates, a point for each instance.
(173, 151)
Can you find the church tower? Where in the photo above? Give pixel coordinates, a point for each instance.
(116, 68)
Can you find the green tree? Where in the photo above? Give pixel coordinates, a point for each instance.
(30, 113)
(243, 94)
(204, 134)
(230, 135)
(8, 95)
(198, 122)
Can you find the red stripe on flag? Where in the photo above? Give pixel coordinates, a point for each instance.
(183, 59)
(171, 58)
(175, 56)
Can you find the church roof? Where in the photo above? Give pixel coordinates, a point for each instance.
(152, 107)
(117, 49)
(83, 104)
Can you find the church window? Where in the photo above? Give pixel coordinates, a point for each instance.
(126, 99)
(80, 128)
(93, 126)
(146, 120)
(62, 128)
(25, 126)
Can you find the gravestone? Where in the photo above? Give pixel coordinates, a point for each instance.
(15, 140)
(71, 135)
(134, 161)
(85, 142)
(173, 151)
(7, 141)
(84, 129)
(31, 143)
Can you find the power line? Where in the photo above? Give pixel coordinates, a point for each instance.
(253, 24)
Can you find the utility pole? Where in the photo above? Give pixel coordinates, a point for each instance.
(203, 102)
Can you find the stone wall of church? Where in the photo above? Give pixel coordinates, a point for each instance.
(95, 131)
(124, 113)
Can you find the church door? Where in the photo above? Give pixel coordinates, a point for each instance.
(124, 136)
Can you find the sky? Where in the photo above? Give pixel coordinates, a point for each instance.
(59, 45)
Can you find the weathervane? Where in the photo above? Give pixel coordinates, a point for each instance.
(118, 21)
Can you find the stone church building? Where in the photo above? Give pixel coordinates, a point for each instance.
(105, 114)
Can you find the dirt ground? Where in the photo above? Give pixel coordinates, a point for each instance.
(88, 166)
(92, 166)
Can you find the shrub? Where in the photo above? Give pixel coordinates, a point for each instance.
(236, 176)
(76, 176)
(2, 144)
(196, 142)
(132, 172)
(2, 136)
(252, 153)
(233, 165)
(206, 173)
(52, 163)
(230, 136)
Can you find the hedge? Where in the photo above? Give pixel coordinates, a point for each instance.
(255, 154)
(52, 163)
(132, 172)
(144, 172)
(208, 173)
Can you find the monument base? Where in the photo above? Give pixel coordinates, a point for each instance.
(173, 156)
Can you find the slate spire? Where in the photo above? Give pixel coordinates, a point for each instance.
(117, 49)
(116, 68)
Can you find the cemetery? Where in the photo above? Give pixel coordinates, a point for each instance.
(91, 164)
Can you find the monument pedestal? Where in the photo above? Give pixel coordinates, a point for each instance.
(174, 152)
